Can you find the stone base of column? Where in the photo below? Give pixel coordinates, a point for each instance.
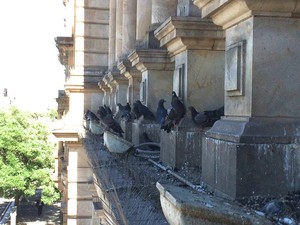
(182, 146)
(256, 156)
(152, 130)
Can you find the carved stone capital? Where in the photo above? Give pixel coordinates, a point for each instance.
(230, 12)
(183, 33)
(151, 59)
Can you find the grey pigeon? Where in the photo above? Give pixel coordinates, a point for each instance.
(144, 111)
(161, 112)
(109, 122)
(89, 115)
(198, 118)
(178, 107)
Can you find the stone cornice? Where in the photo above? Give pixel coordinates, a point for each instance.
(229, 12)
(127, 70)
(181, 33)
(104, 87)
(84, 87)
(151, 59)
(68, 133)
(64, 45)
(108, 80)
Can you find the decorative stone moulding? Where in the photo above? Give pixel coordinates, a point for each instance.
(227, 13)
(127, 70)
(155, 59)
(181, 33)
(235, 69)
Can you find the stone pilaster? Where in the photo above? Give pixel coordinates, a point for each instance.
(134, 77)
(129, 25)
(143, 18)
(119, 29)
(157, 74)
(80, 205)
(256, 142)
(197, 48)
(112, 33)
(106, 93)
(121, 83)
(161, 10)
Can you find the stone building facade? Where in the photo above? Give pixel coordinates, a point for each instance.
(242, 54)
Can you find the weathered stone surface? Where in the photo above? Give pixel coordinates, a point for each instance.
(182, 146)
(229, 13)
(235, 170)
(186, 207)
(152, 129)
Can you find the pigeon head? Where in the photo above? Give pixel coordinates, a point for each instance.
(161, 102)
(174, 94)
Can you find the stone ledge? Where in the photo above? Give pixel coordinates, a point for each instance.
(183, 206)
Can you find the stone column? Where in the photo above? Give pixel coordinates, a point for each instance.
(106, 92)
(112, 33)
(134, 79)
(197, 47)
(161, 10)
(257, 141)
(143, 18)
(119, 28)
(156, 83)
(129, 25)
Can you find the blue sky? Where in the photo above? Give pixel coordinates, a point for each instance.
(29, 58)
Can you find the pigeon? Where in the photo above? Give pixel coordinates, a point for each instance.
(161, 112)
(102, 112)
(206, 118)
(109, 122)
(198, 118)
(169, 121)
(108, 110)
(178, 107)
(176, 113)
(89, 115)
(123, 113)
(121, 107)
(128, 107)
(136, 111)
(144, 111)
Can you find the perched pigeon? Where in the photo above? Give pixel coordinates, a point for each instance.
(206, 118)
(169, 121)
(144, 111)
(176, 113)
(178, 107)
(161, 112)
(128, 107)
(109, 122)
(136, 111)
(123, 113)
(102, 112)
(108, 110)
(198, 118)
(89, 115)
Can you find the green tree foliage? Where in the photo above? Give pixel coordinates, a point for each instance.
(26, 157)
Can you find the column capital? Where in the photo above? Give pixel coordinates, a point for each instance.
(178, 34)
(151, 59)
(230, 12)
(125, 67)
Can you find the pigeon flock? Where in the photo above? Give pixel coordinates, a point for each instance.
(168, 119)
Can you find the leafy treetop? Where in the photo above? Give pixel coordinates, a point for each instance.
(26, 157)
